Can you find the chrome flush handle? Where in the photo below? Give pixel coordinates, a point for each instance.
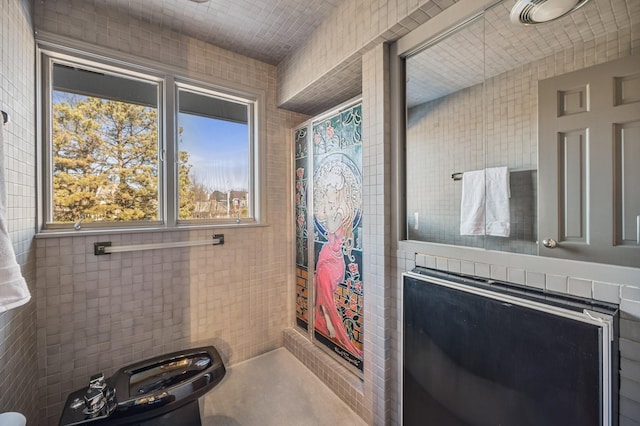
(549, 243)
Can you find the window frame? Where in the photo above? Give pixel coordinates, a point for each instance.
(50, 61)
(200, 88)
(169, 80)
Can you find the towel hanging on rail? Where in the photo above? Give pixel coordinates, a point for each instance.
(484, 206)
(13, 288)
(472, 211)
(498, 222)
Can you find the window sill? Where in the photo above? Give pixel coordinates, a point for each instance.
(59, 233)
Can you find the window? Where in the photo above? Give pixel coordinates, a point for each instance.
(121, 153)
(104, 147)
(214, 156)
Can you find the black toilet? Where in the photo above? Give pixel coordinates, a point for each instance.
(159, 391)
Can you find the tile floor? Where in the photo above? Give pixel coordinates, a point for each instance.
(274, 389)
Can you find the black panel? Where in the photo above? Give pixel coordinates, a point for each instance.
(212, 107)
(473, 360)
(105, 86)
(302, 323)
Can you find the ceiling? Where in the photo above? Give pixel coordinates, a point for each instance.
(267, 30)
(493, 45)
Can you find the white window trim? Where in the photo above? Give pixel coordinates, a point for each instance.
(63, 49)
(203, 89)
(48, 61)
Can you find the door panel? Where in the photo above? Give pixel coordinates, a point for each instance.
(573, 207)
(573, 101)
(627, 141)
(589, 155)
(627, 89)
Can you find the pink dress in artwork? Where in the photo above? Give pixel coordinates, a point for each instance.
(330, 270)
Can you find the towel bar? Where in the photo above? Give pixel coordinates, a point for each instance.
(104, 247)
(458, 175)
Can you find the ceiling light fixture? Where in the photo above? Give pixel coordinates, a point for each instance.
(539, 11)
(199, 1)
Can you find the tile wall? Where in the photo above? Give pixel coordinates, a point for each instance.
(334, 374)
(383, 356)
(457, 121)
(119, 312)
(372, 396)
(18, 372)
(453, 127)
(608, 283)
(326, 60)
(100, 313)
(376, 238)
(329, 57)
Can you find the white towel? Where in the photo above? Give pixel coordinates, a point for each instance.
(497, 193)
(13, 288)
(484, 208)
(472, 210)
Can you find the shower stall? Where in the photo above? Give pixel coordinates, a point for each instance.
(328, 222)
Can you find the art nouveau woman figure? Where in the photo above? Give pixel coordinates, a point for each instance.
(335, 210)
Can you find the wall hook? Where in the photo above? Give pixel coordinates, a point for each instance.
(5, 117)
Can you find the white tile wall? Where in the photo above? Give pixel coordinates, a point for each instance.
(100, 313)
(536, 279)
(557, 283)
(97, 24)
(336, 376)
(117, 309)
(606, 291)
(579, 287)
(454, 122)
(612, 291)
(231, 24)
(376, 238)
(494, 124)
(515, 275)
(18, 389)
(329, 58)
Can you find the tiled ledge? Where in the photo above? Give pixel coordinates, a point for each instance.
(628, 296)
(338, 378)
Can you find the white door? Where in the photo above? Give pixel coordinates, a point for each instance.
(589, 164)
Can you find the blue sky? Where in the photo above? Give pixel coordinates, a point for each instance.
(218, 151)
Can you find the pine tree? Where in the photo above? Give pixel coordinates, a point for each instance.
(77, 171)
(105, 161)
(186, 194)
